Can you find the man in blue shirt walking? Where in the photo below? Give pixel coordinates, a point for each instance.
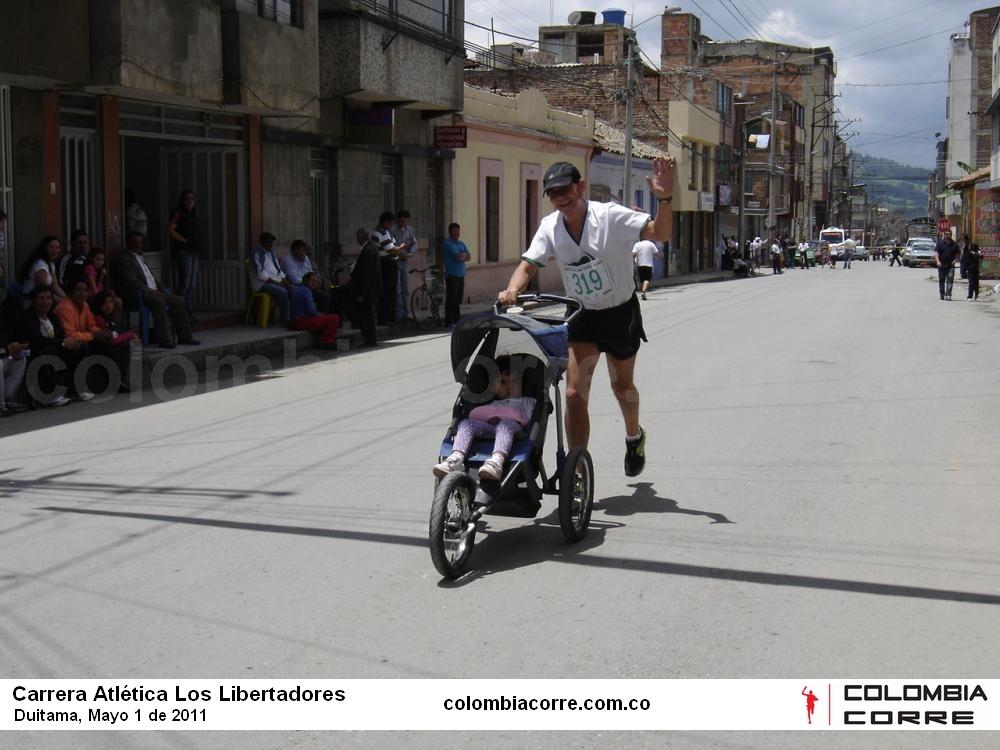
(456, 254)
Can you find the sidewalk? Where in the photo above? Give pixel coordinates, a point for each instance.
(243, 341)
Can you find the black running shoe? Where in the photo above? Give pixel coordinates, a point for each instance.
(635, 454)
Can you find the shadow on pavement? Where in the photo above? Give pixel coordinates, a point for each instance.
(12, 486)
(645, 500)
(541, 541)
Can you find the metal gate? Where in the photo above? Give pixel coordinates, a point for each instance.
(319, 177)
(216, 175)
(79, 181)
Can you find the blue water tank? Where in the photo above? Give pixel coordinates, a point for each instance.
(614, 15)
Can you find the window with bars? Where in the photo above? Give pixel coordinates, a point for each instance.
(285, 12)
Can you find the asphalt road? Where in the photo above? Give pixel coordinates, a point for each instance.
(820, 499)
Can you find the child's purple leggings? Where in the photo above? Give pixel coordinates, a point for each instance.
(473, 428)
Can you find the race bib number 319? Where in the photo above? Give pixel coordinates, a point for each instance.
(589, 282)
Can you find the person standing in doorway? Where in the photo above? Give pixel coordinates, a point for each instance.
(185, 245)
(972, 261)
(456, 255)
(405, 238)
(135, 216)
(947, 252)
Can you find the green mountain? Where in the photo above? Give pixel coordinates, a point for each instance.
(898, 187)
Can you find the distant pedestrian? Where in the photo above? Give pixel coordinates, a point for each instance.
(388, 251)
(972, 264)
(456, 255)
(185, 245)
(644, 251)
(847, 250)
(775, 256)
(365, 286)
(963, 246)
(895, 259)
(405, 238)
(947, 252)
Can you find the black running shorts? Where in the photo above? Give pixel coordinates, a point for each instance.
(617, 331)
(645, 273)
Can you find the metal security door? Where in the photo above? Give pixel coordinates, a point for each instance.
(216, 175)
(78, 151)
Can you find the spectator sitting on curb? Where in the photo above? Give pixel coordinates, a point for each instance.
(79, 323)
(13, 359)
(99, 279)
(305, 316)
(46, 338)
(268, 276)
(297, 264)
(73, 263)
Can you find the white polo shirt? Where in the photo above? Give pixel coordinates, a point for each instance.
(644, 252)
(599, 270)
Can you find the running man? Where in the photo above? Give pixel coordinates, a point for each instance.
(592, 245)
(810, 703)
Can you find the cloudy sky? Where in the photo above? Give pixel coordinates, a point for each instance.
(886, 42)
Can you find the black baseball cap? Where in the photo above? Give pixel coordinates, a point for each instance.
(561, 174)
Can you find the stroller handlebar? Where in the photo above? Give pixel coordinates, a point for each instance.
(575, 307)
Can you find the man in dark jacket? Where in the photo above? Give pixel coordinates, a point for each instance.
(131, 276)
(45, 337)
(366, 286)
(947, 253)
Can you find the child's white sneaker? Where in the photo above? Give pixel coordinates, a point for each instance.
(492, 467)
(450, 464)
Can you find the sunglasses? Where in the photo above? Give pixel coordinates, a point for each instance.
(555, 193)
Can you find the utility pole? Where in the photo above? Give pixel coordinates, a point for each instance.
(810, 230)
(629, 96)
(771, 218)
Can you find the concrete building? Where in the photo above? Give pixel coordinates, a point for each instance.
(498, 199)
(305, 118)
(142, 94)
(804, 78)
(389, 73)
(958, 107)
(592, 76)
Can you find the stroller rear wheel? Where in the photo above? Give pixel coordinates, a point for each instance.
(576, 494)
(452, 534)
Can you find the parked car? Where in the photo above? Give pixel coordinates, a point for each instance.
(919, 252)
(861, 252)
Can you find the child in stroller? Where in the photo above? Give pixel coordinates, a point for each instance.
(502, 417)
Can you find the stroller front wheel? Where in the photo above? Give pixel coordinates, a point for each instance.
(576, 494)
(452, 533)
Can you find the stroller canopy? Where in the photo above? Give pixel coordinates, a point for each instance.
(480, 334)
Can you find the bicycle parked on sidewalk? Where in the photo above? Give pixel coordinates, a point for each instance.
(427, 300)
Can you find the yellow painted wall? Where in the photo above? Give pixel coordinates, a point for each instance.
(514, 131)
(692, 125)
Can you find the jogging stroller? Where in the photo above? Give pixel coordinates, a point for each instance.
(539, 352)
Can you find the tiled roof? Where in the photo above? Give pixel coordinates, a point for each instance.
(612, 140)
